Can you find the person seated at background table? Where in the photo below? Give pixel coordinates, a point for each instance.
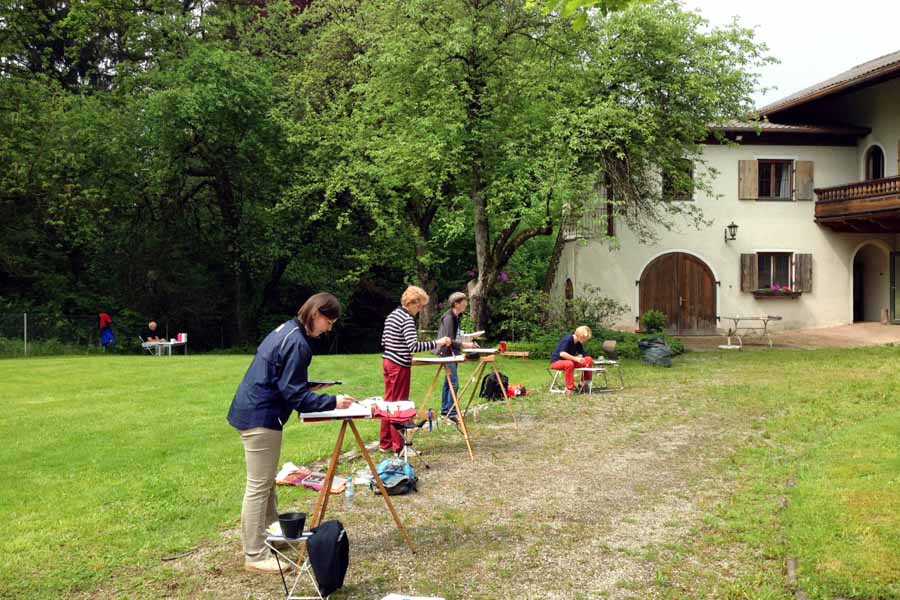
(449, 327)
(151, 333)
(275, 384)
(570, 354)
(400, 341)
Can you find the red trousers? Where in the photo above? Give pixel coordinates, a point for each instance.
(569, 366)
(396, 387)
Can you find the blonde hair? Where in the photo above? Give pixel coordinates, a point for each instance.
(413, 294)
(584, 332)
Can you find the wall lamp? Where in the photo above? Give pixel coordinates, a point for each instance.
(731, 232)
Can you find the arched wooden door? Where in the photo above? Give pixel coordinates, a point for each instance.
(683, 287)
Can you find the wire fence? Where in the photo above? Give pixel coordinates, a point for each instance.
(38, 333)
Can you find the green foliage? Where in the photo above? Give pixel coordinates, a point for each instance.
(541, 346)
(527, 313)
(210, 164)
(578, 10)
(653, 321)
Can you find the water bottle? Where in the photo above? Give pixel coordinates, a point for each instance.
(348, 492)
(430, 417)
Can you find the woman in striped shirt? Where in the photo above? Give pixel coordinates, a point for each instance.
(400, 341)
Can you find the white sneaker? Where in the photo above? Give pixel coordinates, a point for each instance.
(267, 565)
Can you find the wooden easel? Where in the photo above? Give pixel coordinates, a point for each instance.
(476, 377)
(325, 492)
(422, 411)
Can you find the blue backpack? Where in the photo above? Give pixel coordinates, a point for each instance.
(397, 476)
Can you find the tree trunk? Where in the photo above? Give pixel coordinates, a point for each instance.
(231, 219)
(553, 266)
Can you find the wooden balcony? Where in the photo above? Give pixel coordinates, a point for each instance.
(865, 206)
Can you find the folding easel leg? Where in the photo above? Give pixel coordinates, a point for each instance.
(459, 414)
(322, 500)
(505, 395)
(384, 494)
(473, 378)
(423, 410)
(477, 374)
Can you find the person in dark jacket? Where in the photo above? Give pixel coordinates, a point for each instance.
(449, 327)
(274, 386)
(569, 355)
(151, 333)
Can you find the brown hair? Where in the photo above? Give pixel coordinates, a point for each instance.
(323, 303)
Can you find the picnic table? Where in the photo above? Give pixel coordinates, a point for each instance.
(163, 347)
(747, 326)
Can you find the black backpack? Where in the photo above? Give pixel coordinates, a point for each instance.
(491, 389)
(329, 555)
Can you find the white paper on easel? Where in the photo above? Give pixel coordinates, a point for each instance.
(481, 350)
(361, 409)
(438, 360)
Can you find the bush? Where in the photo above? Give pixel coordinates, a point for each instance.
(542, 346)
(527, 314)
(654, 321)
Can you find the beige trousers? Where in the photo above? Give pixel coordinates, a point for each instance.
(262, 449)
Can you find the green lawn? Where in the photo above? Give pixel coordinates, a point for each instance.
(114, 463)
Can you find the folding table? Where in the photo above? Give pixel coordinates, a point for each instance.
(301, 571)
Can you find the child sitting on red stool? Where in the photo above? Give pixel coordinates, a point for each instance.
(570, 354)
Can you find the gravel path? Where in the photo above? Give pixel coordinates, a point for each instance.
(586, 506)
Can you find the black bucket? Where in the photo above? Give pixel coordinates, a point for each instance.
(292, 524)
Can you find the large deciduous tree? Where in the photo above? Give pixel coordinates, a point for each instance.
(510, 113)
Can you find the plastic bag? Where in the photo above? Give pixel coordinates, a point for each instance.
(655, 351)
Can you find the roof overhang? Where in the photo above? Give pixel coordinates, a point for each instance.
(861, 76)
(766, 133)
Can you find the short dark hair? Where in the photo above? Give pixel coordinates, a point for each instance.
(324, 303)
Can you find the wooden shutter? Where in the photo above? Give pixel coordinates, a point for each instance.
(748, 180)
(749, 273)
(803, 272)
(803, 183)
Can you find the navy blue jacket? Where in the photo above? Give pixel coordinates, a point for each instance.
(567, 344)
(276, 382)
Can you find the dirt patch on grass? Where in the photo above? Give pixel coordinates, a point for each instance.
(587, 497)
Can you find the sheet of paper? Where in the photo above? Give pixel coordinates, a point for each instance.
(361, 409)
(474, 334)
(480, 350)
(424, 360)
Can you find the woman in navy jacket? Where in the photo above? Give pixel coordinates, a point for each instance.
(274, 386)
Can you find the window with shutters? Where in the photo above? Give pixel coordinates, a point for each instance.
(774, 179)
(774, 270)
(776, 274)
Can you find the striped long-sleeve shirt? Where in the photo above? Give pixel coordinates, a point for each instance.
(399, 338)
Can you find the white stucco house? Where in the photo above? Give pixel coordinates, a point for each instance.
(815, 195)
